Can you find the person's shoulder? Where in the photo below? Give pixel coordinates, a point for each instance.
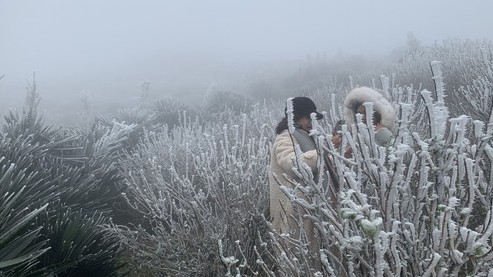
(284, 133)
(283, 136)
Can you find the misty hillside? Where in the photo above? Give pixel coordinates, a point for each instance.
(246, 138)
(164, 187)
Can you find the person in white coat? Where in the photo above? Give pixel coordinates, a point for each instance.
(384, 117)
(282, 212)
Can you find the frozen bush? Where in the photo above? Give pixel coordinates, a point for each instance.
(189, 188)
(221, 101)
(422, 207)
(197, 193)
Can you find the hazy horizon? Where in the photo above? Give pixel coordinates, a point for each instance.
(182, 47)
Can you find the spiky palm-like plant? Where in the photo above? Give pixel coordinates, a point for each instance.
(20, 241)
(55, 197)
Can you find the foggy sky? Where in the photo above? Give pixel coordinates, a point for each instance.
(114, 44)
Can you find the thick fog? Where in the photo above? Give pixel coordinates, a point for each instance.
(107, 48)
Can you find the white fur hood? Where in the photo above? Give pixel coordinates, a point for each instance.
(361, 95)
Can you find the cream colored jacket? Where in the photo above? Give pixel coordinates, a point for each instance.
(281, 163)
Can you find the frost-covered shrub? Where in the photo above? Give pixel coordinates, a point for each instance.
(468, 73)
(197, 196)
(171, 112)
(422, 207)
(192, 189)
(474, 85)
(221, 101)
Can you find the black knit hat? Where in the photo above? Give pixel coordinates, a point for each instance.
(304, 106)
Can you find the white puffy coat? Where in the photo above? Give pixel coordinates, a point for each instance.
(281, 163)
(361, 95)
